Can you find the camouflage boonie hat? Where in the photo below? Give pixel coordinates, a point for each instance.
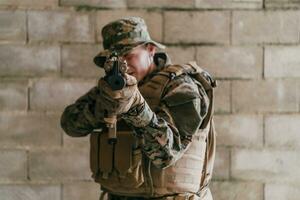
(123, 35)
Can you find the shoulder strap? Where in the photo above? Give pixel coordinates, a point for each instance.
(153, 90)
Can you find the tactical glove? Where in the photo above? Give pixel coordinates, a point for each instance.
(116, 102)
(128, 102)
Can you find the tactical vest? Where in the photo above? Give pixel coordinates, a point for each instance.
(123, 170)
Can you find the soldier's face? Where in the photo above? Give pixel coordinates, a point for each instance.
(140, 61)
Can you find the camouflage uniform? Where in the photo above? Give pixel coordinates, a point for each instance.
(173, 123)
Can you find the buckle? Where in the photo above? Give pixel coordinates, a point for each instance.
(209, 78)
(172, 75)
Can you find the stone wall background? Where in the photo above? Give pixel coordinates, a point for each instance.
(251, 46)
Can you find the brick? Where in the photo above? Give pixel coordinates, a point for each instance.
(95, 3)
(77, 61)
(202, 27)
(239, 130)
(181, 55)
(264, 96)
(237, 190)
(13, 26)
(265, 27)
(13, 165)
(161, 4)
(13, 95)
(282, 130)
(30, 130)
(222, 97)
(30, 3)
(282, 62)
(297, 84)
(56, 94)
(45, 60)
(60, 164)
(32, 192)
(226, 62)
(153, 21)
(280, 191)
(282, 4)
(221, 165)
(252, 4)
(81, 191)
(60, 26)
(265, 165)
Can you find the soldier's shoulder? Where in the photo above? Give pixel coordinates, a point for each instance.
(179, 75)
(191, 69)
(180, 89)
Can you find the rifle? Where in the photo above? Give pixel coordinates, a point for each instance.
(115, 69)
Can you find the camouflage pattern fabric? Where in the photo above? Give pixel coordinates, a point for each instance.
(169, 131)
(124, 34)
(80, 118)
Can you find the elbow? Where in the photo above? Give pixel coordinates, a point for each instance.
(69, 127)
(73, 132)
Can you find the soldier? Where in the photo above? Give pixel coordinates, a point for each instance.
(165, 145)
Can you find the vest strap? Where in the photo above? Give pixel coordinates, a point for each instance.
(155, 88)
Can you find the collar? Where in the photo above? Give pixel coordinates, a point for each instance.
(161, 60)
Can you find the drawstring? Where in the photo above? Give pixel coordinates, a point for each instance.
(150, 177)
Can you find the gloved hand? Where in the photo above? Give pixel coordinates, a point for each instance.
(117, 102)
(129, 102)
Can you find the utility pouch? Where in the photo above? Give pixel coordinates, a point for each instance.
(117, 166)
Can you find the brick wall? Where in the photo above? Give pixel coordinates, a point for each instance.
(252, 47)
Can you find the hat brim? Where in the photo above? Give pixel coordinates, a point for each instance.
(101, 57)
(159, 45)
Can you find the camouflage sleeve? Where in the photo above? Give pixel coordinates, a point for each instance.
(171, 128)
(79, 119)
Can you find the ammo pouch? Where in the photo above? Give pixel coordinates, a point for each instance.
(119, 166)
